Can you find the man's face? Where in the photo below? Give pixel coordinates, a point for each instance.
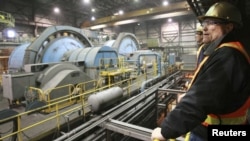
(213, 29)
(199, 37)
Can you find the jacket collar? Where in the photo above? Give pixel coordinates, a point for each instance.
(211, 46)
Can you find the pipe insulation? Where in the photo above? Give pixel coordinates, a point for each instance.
(105, 98)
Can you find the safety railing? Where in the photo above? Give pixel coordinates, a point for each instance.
(57, 111)
(33, 94)
(56, 114)
(54, 121)
(66, 92)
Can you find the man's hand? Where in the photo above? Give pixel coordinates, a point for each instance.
(156, 135)
(180, 96)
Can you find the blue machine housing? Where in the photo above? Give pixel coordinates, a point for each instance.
(92, 56)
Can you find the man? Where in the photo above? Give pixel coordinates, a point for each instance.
(200, 55)
(198, 36)
(200, 44)
(200, 52)
(219, 91)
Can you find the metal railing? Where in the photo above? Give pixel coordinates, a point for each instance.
(58, 109)
(54, 108)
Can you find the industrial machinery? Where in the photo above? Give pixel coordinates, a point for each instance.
(125, 44)
(131, 119)
(36, 64)
(63, 55)
(61, 68)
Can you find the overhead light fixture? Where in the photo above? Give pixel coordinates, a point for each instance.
(169, 20)
(121, 12)
(9, 33)
(98, 26)
(56, 10)
(86, 1)
(125, 22)
(164, 3)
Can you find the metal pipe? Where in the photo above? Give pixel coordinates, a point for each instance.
(134, 131)
(80, 130)
(145, 83)
(104, 98)
(172, 91)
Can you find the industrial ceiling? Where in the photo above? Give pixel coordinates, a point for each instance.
(26, 11)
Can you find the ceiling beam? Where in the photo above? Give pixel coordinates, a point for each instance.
(138, 14)
(172, 10)
(140, 19)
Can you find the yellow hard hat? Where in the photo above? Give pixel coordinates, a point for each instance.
(199, 30)
(224, 11)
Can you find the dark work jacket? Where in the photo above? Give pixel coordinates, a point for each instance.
(200, 53)
(222, 86)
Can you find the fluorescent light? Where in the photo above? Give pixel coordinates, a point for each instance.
(98, 26)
